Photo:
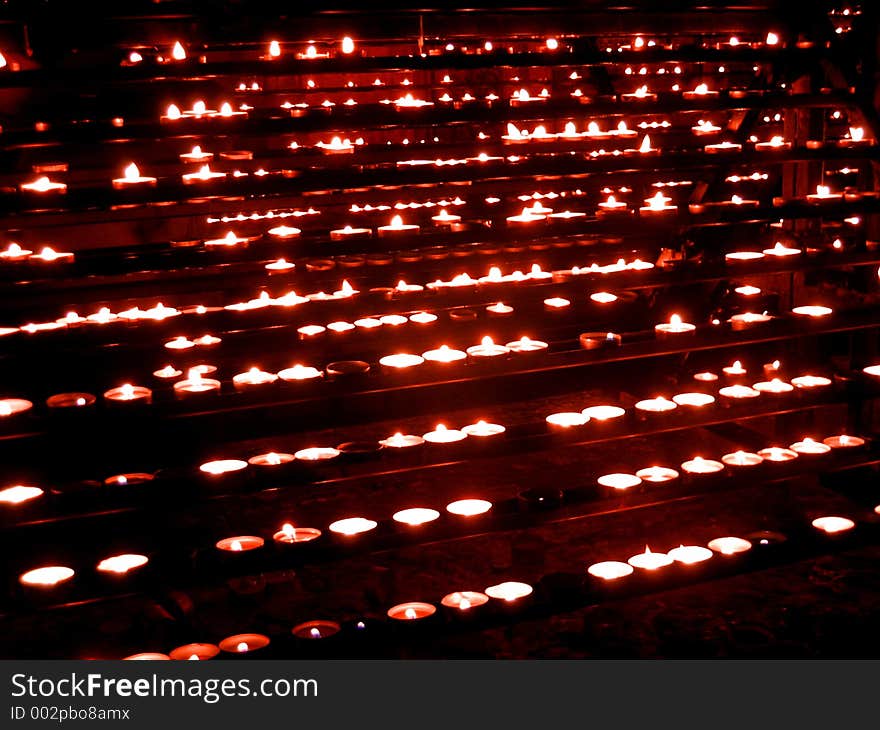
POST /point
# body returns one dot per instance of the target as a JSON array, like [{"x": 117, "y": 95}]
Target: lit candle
[
  {"x": 49, "y": 255},
  {"x": 128, "y": 393},
  {"x": 603, "y": 413},
  {"x": 525, "y": 345},
  {"x": 402, "y": 441},
  {"x": 415, "y": 516},
  {"x": 483, "y": 429},
  {"x": 445, "y": 219},
  {"x": 219, "y": 467},
  {"x": 658, "y": 205},
  {"x": 509, "y": 591},
  {"x": 239, "y": 544},
  {"x": 131, "y": 178},
  {"x": 730, "y": 545},
  {"x": 721, "y": 147},
  {"x": 290, "y": 535},
  {"x": 443, "y": 435},
  {"x": 674, "y": 328},
  {"x": 650, "y": 560},
  {"x": 204, "y": 174},
  {"x": 774, "y": 387},
  {"x": 657, "y": 474},
  {"x": 774, "y": 143},
  {"x": 699, "y": 465},
  {"x": 609, "y": 570},
  {"x": 336, "y": 146},
  {"x": 401, "y": 361},
  {"x": 14, "y": 252},
  {"x": 844, "y": 442},
  {"x": 351, "y": 526},
  {"x": 812, "y": 311},
  {"x": 736, "y": 257},
  {"x": 397, "y": 228},
  {"x": 411, "y": 611},
  {"x": 70, "y": 400},
  {"x": 346, "y": 233},
  {"x": 690, "y": 554},
  {"x": 122, "y": 564},
  {"x": 14, "y": 406},
  {"x": 705, "y": 127},
  {"x": 619, "y": 481},
  {"x": 832, "y": 524},
  {"x": 809, "y": 447},
  {"x": 856, "y": 137},
  {"x": 244, "y": 643},
  {"x": 823, "y": 194},
  {"x": 464, "y": 600},
  {"x": 693, "y": 400},
  {"x": 777, "y": 454},
  {"x": 656, "y": 405},
  {"x": 525, "y": 218},
  {"x": 738, "y": 392},
  {"x": 284, "y": 232},
  {"x": 195, "y": 384},
  {"x": 810, "y": 381},
  {"x": 300, "y": 373},
  {"x": 612, "y": 206},
  {"x": 319, "y": 629},
  {"x": 19, "y": 494},
  {"x": 147, "y": 656},
  {"x": 469, "y": 507},
  {"x": 43, "y": 185},
  {"x": 640, "y": 94},
  {"x": 271, "y": 458},
  {"x": 46, "y": 577},
  {"x": 317, "y": 453},
  {"x": 739, "y": 322},
  {"x": 252, "y": 378},
  {"x": 597, "y": 340},
  {"x": 195, "y": 652},
  {"x": 565, "y": 420},
  {"x": 742, "y": 458},
  {"x": 486, "y": 349}
]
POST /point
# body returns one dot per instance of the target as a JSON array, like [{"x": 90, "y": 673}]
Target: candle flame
[
  {"x": 132, "y": 172},
  {"x": 178, "y": 53},
  {"x": 410, "y": 613},
  {"x": 274, "y": 49},
  {"x": 347, "y": 45},
  {"x": 646, "y": 144},
  {"x": 242, "y": 646},
  {"x": 856, "y": 134},
  {"x": 236, "y": 546},
  {"x": 288, "y": 530},
  {"x": 173, "y": 111},
  {"x": 487, "y": 341}
]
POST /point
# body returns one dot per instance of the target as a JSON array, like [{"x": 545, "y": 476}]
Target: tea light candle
[
  {"x": 318, "y": 629},
  {"x": 603, "y": 413},
  {"x": 317, "y": 453},
  {"x": 397, "y": 228},
  {"x": 349, "y": 233},
  {"x": 690, "y": 554},
  {"x": 742, "y": 256},
  {"x": 656, "y": 405},
  {"x": 70, "y": 400},
  {"x": 693, "y": 400},
  {"x": 464, "y": 600},
  {"x": 122, "y": 564},
  {"x": 566, "y": 419},
  {"x": 701, "y": 91},
  {"x": 611, "y": 206},
  {"x": 525, "y": 345},
  {"x": 402, "y": 441},
  {"x": 195, "y": 384},
  {"x": 284, "y": 232},
  {"x": 742, "y": 458},
  {"x": 526, "y": 217},
  {"x": 195, "y": 652},
  {"x": 812, "y": 310},
  {"x": 219, "y": 467},
  {"x": 609, "y": 570},
  {"x": 832, "y": 524},
  {"x": 780, "y": 250},
  {"x": 699, "y": 465},
  {"x": 649, "y": 560},
  {"x": 855, "y": 138},
  {"x": 290, "y": 535},
  {"x": 843, "y": 442},
  {"x": 597, "y": 340},
  {"x": 196, "y": 155},
  {"x": 147, "y": 656},
  {"x": 730, "y": 545},
  {"x": 738, "y": 392},
  {"x": 657, "y": 474},
  {"x": 777, "y": 454},
  {"x": 43, "y": 185},
  {"x": 336, "y": 146},
  {"x": 271, "y": 458},
  {"x": 411, "y": 611},
  {"x": 132, "y": 178},
  {"x": 810, "y": 381},
  {"x": 128, "y": 479},
  {"x": 619, "y": 481},
  {"x": 46, "y": 577},
  {"x": 486, "y": 349},
  {"x": 244, "y": 643},
  {"x": 252, "y": 378},
  {"x": 823, "y": 194},
  {"x": 640, "y": 94},
  {"x": 509, "y": 591},
  {"x": 469, "y": 507},
  {"x": 443, "y": 435},
  {"x": 239, "y": 544},
  {"x": 674, "y": 328},
  {"x": 351, "y": 526},
  {"x": 279, "y": 265},
  {"x": 299, "y": 373},
  {"x": 401, "y": 361},
  {"x": 739, "y": 322},
  {"x": 482, "y": 429},
  {"x": 774, "y": 143},
  {"x": 128, "y": 393},
  {"x": 14, "y": 252},
  {"x": 19, "y": 494},
  {"x": 722, "y": 147},
  {"x": 809, "y": 447},
  {"x": 705, "y": 127},
  {"x": 205, "y": 174},
  {"x": 774, "y": 386},
  {"x": 658, "y": 205},
  {"x": 443, "y": 218},
  {"x": 415, "y": 516}
]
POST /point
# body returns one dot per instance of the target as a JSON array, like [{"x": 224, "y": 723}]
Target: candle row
[{"x": 514, "y": 597}]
